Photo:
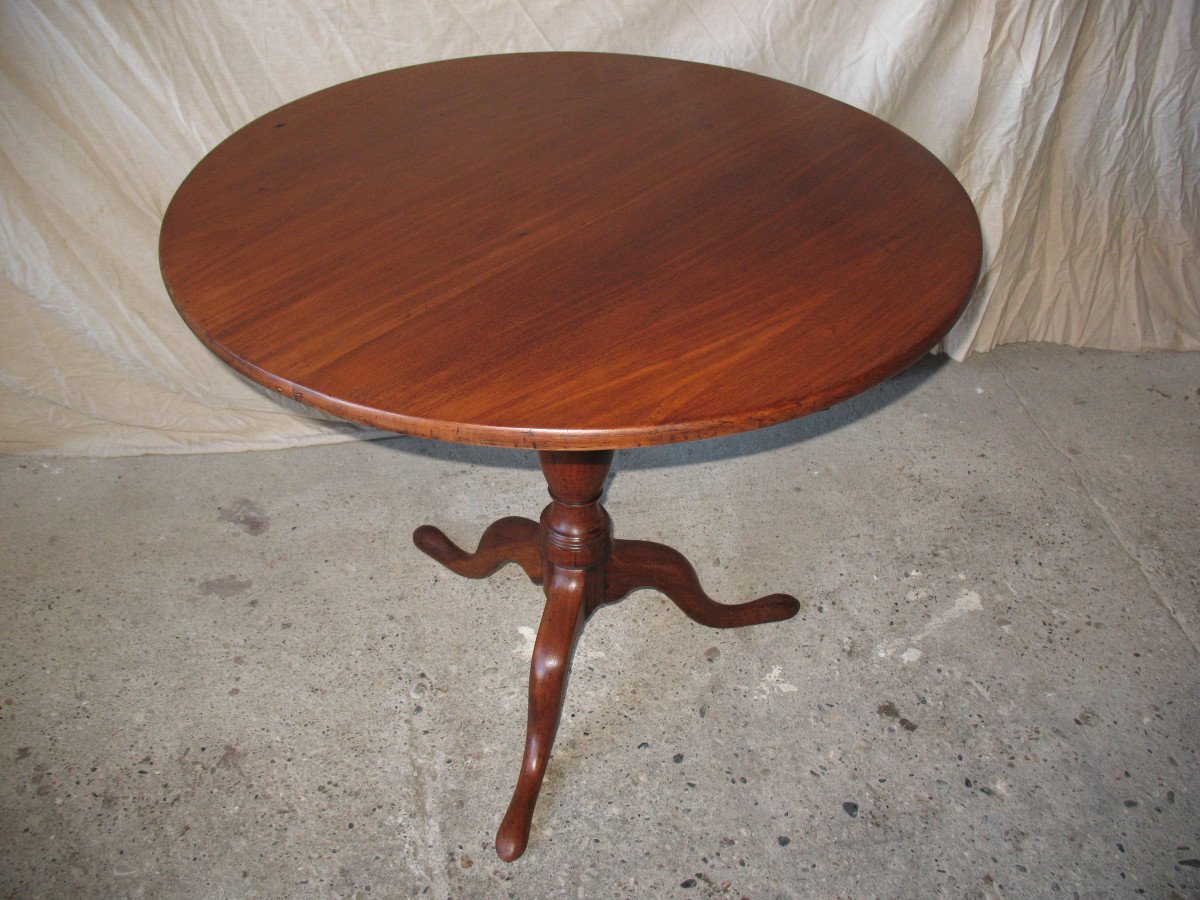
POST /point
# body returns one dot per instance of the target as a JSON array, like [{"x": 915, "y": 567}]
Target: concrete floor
[{"x": 234, "y": 676}]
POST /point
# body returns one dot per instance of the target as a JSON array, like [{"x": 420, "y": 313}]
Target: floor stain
[
  {"x": 888, "y": 710},
  {"x": 232, "y": 758},
  {"x": 247, "y": 515},
  {"x": 225, "y": 587}
]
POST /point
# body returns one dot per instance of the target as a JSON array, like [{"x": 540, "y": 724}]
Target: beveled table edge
[
  {"x": 529, "y": 438},
  {"x": 579, "y": 439}
]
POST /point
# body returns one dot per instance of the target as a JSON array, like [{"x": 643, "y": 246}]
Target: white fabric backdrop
[{"x": 1073, "y": 125}]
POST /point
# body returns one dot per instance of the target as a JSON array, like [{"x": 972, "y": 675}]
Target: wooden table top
[{"x": 569, "y": 250}]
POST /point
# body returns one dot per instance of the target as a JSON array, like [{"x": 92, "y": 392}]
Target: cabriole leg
[{"x": 575, "y": 550}]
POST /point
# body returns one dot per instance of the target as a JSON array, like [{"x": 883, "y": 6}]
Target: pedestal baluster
[{"x": 581, "y": 568}]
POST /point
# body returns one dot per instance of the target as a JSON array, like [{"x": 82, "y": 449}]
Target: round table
[{"x": 571, "y": 253}]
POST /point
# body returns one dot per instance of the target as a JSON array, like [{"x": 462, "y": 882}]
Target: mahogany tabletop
[{"x": 569, "y": 251}]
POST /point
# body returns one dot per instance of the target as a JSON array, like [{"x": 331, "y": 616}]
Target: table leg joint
[{"x": 572, "y": 553}]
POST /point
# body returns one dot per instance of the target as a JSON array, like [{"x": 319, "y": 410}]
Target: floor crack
[
  {"x": 423, "y": 802},
  {"x": 1106, "y": 516}
]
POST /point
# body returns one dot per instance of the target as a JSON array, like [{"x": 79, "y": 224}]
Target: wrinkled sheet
[{"x": 1073, "y": 126}]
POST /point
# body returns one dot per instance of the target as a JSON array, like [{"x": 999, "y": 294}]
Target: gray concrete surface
[{"x": 233, "y": 675}]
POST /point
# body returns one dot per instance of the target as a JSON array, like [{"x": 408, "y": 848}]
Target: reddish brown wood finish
[
  {"x": 581, "y": 568},
  {"x": 569, "y": 250},
  {"x": 644, "y": 564},
  {"x": 511, "y": 539},
  {"x": 573, "y": 253}
]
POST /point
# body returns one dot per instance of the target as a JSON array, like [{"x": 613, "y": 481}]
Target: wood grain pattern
[{"x": 569, "y": 250}]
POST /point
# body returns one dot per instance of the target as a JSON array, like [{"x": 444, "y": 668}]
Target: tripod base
[{"x": 572, "y": 554}]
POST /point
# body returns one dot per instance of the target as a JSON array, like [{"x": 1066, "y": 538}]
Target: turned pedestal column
[{"x": 573, "y": 555}]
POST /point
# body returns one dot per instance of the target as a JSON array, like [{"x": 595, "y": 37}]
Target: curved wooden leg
[
  {"x": 561, "y": 624},
  {"x": 511, "y": 539},
  {"x": 572, "y": 552},
  {"x": 645, "y": 564},
  {"x": 576, "y": 537}
]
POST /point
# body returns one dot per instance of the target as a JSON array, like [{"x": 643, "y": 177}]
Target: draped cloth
[{"x": 1073, "y": 126}]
